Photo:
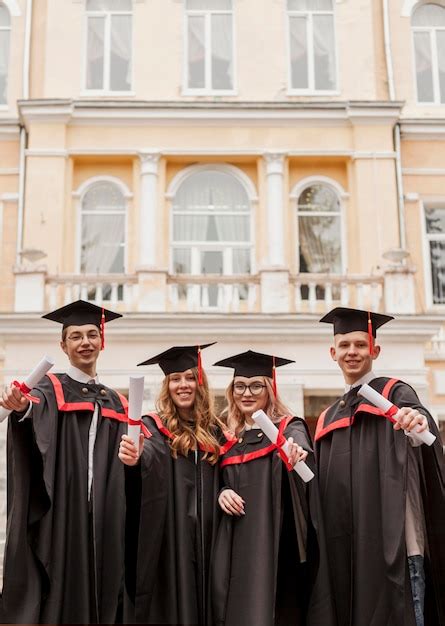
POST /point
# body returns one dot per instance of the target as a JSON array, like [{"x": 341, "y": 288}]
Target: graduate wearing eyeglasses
[
  {"x": 268, "y": 566},
  {"x": 65, "y": 534}
]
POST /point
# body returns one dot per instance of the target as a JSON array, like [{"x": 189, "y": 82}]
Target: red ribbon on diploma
[
  {"x": 391, "y": 412},
  {"x": 281, "y": 440},
  {"x": 134, "y": 422},
  {"x": 25, "y": 390}
]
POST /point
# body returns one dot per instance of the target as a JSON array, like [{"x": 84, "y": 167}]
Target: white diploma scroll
[
  {"x": 32, "y": 380},
  {"x": 385, "y": 405},
  {"x": 271, "y": 432},
  {"x": 135, "y": 397}
]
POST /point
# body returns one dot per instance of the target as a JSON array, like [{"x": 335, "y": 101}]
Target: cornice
[{"x": 418, "y": 129}]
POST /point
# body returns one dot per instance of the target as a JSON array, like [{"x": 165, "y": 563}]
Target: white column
[
  {"x": 275, "y": 201},
  {"x": 148, "y": 209}
]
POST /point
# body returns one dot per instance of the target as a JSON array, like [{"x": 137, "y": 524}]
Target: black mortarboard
[
  {"x": 251, "y": 363},
  {"x": 80, "y": 313},
  {"x": 179, "y": 359},
  {"x": 349, "y": 320}
]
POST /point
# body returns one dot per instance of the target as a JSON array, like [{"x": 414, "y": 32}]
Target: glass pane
[
  {"x": 4, "y": 65},
  {"x": 102, "y": 239},
  {"x": 109, "y": 5},
  {"x": 120, "y": 53},
  {"x": 204, "y": 228},
  {"x": 209, "y": 5},
  {"x": 103, "y": 197},
  {"x": 241, "y": 261},
  {"x": 222, "y": 63},
  {"x": 196, "y": 52},
  {"x": 437, "y": 255},
  {"x": 5, "y": 19},
  {"x": 298, "y": 53},
  {"x": 95, "y": 53},
  {"x": 424, "y": 72},
  {"x": 211, "y": 191},
  {"x": 320, "y": 244},
  {"x": 211, "y": 262},
  {"x": 318, "y": 198},
  {"x": 429, "y": 15},
  {"x": 440, "y": 35},
  {"x": 324, "y": 52},
  {"x": 182, "y": 261},
  {"x": 309, "y": 5},
  {"x": 435, "y": 220}
]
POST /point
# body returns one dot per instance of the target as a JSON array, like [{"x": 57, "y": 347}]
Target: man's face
[
  {"x": 82, "y": 346},
  {"x": 351, "y": 351}
]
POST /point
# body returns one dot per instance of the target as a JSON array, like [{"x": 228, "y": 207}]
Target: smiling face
[
  {"x": 182, "y": 389},
  {"x": 250, "y": 394},
  {"x": 351, "y": 351},
  {"x": 82, "y": 346}
]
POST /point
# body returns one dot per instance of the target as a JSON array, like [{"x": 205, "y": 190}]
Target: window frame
[
  {"x": 311, "y": 89},
  {"x": 431, "y": 30},
  {"x": 4, "y": 106},
  {"x": 207, "y": 90},
  {"x": 107, "y": 55},
  {"x": 439, "y": 202},
  {"x": 336, "y": 188}
]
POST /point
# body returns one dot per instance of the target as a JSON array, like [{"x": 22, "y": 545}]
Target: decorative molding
[
  {"x": 412, "y": 197},
  {"x": 46, "y": 152},
  {"x": 84, "y": 187},
  {"x": 13, "y": 7},
  {"x": 423, "y": 171},
  {"x": 9, "y": 197},
  {"x": 274, "y": 162},
  {"x": 325, "y": 180},
  {"x": 149, "y": 162},
  {"x": 9, "y": 171},
  {"x": 423, "y": 130}
]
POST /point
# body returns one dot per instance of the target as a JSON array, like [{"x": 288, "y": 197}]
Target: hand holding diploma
[
  {"x": 285, "y": 448},
  {"x": 17, "y": 397},
  {"x": 135, "y": 397},
  {"x": 405, "y": 417}
]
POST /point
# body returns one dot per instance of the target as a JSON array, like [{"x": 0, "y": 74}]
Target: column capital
[
  {"x": 149, "y": 161},
  {"x": 274, "y": 162}
]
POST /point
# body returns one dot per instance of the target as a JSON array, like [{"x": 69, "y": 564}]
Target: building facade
[{"x": 225, "y": 170}]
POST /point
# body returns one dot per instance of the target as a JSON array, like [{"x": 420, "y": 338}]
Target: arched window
[
  {"x": 5, "y": 33},
  {"x": 109, "y": 40},
  {"x": 312, "y": 45},
  {"x": 103, "y": 212},
  {"x": 319, "y": 230},
  {"x": 428, "y": 24},
  {"x": 212, "y": 226},
  {"x": 209, "y": 57}
]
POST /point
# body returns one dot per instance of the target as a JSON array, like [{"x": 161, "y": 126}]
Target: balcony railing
[
  {"x": 116, "y": 290},
  {"x": 213, "y": 292}
]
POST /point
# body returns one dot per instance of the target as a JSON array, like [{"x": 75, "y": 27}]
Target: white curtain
[
  {"x": 95, "y": 53},
  {"x": 196, "y": 52},
  {"x": 429, "y": 15},
  {"x": 5, "y": 18},
  {"x": 209, "y": 5},
  {"x": 120, "y": 51},
  {"x": 309, "y": 5},
  {"x": 424, "y": 71},
  {"x": 109, "y": 5},
  {"x": 299, "y": 52},
  {"x": 4, "y": 65},
  {"x": 222, "y": 62},
  {"x": 324, "y": 52}
]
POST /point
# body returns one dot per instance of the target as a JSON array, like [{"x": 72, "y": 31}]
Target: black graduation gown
[
  {"x": 64, "y": 555},
  {"x": 269, "y": 566},
  {"x": 170, "y": 524},
  {"x": 362, "y": 466}
]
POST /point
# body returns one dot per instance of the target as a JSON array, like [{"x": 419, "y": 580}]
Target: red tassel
[
  {"x": 274, "y": 377},
  {"x": 102, "y": 328},
  {"x": 199, "y": 366},
  {"x": 371, "y": 338}
]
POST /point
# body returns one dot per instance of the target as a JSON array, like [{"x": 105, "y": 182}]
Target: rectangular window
[
  {"x": 312, "y": 45},
  {"x": 109, "y": 41},
  {"x": 209, "y": 49},
  {"x": 435, "y": 233},
  {"x": 5, "y": 30},
  {"x": 424, "y": 67}
]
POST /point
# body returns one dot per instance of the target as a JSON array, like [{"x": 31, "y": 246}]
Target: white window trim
[
  {"x": 107, "y": 48},
  {"x": 198, "y": 247},
  {"x": 13, "y": 7},
  {"x": 79, "y": 195},
  {"x": 428, "y": 278},
  {"x": 207, "y": 91},
  {"x": 431, "y": 30},
  {"x": 310, "y": 90},
  {"x": 341, "y": 194}
]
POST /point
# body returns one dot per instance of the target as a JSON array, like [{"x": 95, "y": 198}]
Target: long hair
[
  {"x": 201, "y": 429},
  {"x": 275, "y": 408}
]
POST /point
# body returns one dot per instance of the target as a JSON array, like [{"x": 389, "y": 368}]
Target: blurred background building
[{"x": 225, "y": 170}]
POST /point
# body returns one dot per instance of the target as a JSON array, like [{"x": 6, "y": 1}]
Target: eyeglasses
[
  {"x": 78, "y": 337},
  {"x": 255, "y": 388}
]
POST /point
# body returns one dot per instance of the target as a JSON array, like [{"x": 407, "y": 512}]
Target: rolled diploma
[
  {"x": 271, "y": 432},
  {"x": 385, "y": 405},
  {"x": 32, "y": 380},
  {"x": 135, "y": 397}
]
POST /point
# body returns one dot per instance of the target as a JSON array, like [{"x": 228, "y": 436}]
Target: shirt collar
[
  {"x": 77, "y": 374},
  {"x": 364, "y": 380}
]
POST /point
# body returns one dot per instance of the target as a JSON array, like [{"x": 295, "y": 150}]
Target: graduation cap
[
  {"x": 347, "y": 320},
  {"x": 80, "y": 313},
  {"x": 179, "y": 359},
  {"x": 252, "y": 363}
]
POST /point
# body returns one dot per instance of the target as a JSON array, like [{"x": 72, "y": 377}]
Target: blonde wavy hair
[
  {"x": 235, "y": 420},
  {"x": 203, "y": 427}
]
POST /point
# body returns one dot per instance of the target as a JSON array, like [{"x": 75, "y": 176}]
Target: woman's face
[
  {"x": 182, "y": 388},
  {"x": 250, "y": 394}
]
